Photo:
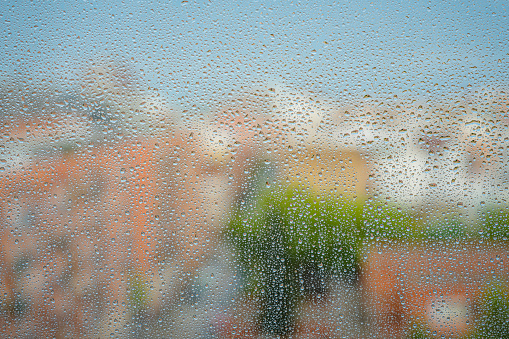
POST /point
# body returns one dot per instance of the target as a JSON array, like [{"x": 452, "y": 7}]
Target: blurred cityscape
[{"x": 114, "y": 202}]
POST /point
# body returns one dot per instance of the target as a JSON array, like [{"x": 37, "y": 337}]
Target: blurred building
[
  {"x": 442, "y": 156},
  {"x": 434, "y": 286}
]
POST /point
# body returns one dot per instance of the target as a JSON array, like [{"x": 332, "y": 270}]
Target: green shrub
[
  {"x": 492, "y": 312},
  {"x": 290, "y": 242},
  {"x": 137, "y": 294},
  {"x": 495, "y": 224},
  {"x": 419, "y": 331}
]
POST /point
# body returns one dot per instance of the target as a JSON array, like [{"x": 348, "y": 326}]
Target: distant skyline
[{"x": 190, "y": 49}]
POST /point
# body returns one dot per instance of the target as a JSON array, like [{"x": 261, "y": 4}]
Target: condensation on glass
[{"x": 207, "y": 169}]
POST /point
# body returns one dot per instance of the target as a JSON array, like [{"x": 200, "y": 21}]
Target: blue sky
[{"x": 189, "y": 50}]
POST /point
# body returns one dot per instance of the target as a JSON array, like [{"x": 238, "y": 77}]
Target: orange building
[
  {"x": 435, "y": 285},
  {"x": 80, "y": 224},
  {"x": 85, "y": 229}
]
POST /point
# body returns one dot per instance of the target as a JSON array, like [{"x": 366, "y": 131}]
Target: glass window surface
[{"x": 254, "y": 169}]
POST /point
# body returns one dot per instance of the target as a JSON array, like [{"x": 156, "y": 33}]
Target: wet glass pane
[{"x": 213, "y": 169}]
